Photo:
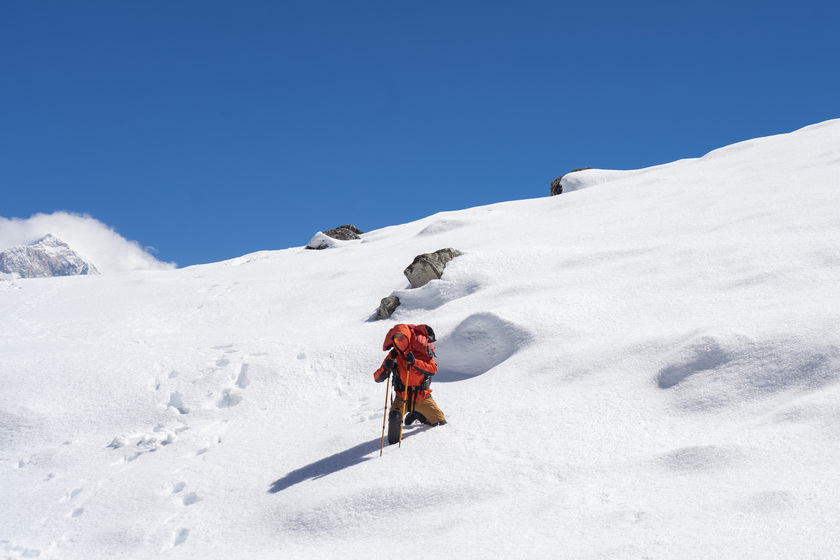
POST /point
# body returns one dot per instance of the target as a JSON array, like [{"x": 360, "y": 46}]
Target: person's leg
[
  {"x": 395, "y": 420},
  {"x": 430, "y": 411}
]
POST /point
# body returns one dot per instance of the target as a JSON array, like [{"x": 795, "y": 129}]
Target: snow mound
[
  {"x": 434, "y": 295},
  {"x": 323, "y": 241},
  {"x": 588, "y": 178},
  {"x": 722, "y": 369},
  {"x": 698, "y": 458},
  {"x": 478, "y": 344},
  {"x": 442, "y": 226}
]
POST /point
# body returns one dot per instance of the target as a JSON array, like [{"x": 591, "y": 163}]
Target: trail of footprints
[
  {"x": 366, "y": 411},
  {"x": 69, "y": 497},
  {"x": 230, "y": 379}
]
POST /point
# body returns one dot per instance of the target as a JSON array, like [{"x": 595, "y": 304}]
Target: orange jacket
[{"x": 423, "y": 362}]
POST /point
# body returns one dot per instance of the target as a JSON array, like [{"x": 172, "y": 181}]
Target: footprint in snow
[
  {"x": 180, "y": 537},
  {"x": 177, "y": 402},
  {"x": 191, "y": 499},
  {"x": 242, "y": 380},
  {"x": 704, "y": 354},
  {"x": 70, "y": 495},
  {"x": 228, "y": 399}
]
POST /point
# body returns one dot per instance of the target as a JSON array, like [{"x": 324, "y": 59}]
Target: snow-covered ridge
[
  {"x": 777, "y": 149},
  {"x": 45, "y": 258},
  {"x": 649, "y": 368}
]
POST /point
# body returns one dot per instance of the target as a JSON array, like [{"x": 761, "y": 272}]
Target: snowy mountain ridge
[
  {"x": 47, "y": 257},
  {"x": 643, "y": 367}
]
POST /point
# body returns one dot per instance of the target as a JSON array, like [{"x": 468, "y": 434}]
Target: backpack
[{"x": 422, "y": 341}]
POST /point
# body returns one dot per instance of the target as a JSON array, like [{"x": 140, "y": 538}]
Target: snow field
[{"x": 644, "y": 366}]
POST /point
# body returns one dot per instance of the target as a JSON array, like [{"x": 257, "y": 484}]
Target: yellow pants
[{"x": 427, "y": 407}]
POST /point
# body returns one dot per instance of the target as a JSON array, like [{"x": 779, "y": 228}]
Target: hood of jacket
[{"x": 396, "y": 329}]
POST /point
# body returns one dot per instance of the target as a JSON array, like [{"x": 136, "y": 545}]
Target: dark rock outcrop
[
  {"x": 387, "y": 307},
  {"x": 556, "y": 184},
  {"x": 344, "y": 233},
  {"x": 429, "y": 266},
  {"x": 424, "y": 269}
]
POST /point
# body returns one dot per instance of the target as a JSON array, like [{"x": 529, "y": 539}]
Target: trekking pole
[
  {"x": 385, "y": 415},
  {"x": 407, "y": 396}
]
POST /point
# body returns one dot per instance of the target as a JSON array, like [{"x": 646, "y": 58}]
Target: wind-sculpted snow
[
  {"x": 700, "y": 458},
  {"x": 434, "y": 295},
  {"x": 729, "y": 369},
  {"x": 703, "y": 354},
  {"x": 442, "y": 226},
  {"x": 588, "y": 178},
  {"x": 477, "y": 345}
]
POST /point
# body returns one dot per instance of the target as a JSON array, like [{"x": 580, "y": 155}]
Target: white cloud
[{"x": 93, "y": 240}]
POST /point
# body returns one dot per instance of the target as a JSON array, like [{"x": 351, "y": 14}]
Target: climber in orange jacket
[{"x": 412, "y": 359}]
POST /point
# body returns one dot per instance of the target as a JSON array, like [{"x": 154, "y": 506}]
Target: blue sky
[{"x": 209, "y": 130}]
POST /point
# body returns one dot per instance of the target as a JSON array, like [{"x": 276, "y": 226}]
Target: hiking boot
[
  {"x": 394, "y": 425},
  {"x": 415, "y": 416}
]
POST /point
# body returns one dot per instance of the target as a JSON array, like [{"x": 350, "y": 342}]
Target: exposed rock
[
  {"x": 387, "y": 307},
  {"x": 425, "y": 268},
  {"x": 429, "y": 266},
  {"x": 557, "y": 186},
  {"x": 344, "y": 233},
  {"x": 48, "y": 257},
  {"x": 324, "y": 240}
]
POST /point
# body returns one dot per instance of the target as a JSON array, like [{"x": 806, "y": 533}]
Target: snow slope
[{"x": 646, "y": 366}]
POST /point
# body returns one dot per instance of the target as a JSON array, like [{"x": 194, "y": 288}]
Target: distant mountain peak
[
  {"x": 49, "y": 256},
  {"x": 50, "y": 240}
]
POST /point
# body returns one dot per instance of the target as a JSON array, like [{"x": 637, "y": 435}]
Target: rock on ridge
[
  {"x": 324, "y": 240},
  {"x": 48, "y": 257},
  {"x": 557, "y": 184}
]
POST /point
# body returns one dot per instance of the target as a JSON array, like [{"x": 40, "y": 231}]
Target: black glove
[
  {"x": 427, "y": 382},
  {"x": 389, "y": 365},
  {"x": 409, "y": 359}
]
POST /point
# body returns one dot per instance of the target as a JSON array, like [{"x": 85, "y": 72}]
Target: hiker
[{"x": 412, "y": 359}]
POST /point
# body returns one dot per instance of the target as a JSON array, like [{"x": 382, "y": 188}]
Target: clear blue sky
[{"x": 213, "y": 129}]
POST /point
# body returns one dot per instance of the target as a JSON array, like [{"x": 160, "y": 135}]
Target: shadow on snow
[{"x": 335, "y": 463}]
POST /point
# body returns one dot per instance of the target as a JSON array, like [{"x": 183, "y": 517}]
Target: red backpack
[{"x": 422, "y": 341}]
